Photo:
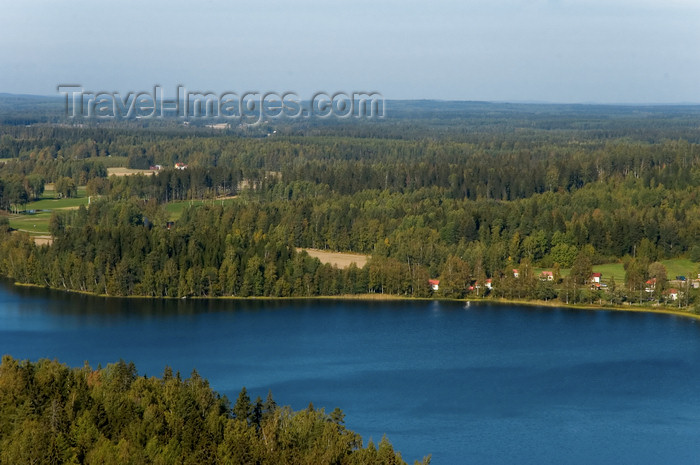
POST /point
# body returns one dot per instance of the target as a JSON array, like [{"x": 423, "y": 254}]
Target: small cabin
[
  {"x": 547, "y": 276},
  {"x": 434, "y": 284}
]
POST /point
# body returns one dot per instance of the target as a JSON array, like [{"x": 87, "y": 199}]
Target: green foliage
[
  {"x": 695, "y": 253},
  {"x": 51, "y": 414},
  {"x": 455, "y": 206},
  {"x": 66, "y": 187},
  {"x": 582, "y": 267}
]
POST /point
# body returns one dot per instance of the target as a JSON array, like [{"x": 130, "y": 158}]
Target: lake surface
[{"x": 485, "y": 384}]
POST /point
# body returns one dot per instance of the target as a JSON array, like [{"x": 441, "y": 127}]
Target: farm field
[
  {"x": 120, "y": 171},
  {"x": 339, "y": 259}
]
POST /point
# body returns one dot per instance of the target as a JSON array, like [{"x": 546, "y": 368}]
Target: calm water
[{"x": 480, "y": 385}]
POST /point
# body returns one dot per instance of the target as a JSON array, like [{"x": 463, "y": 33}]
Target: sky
[{"x": 559, "y": 51}]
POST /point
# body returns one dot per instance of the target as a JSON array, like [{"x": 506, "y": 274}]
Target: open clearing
[
  {"x": 674, "y": 267},
  {"x": 33, "y": 224},
  {"x": 128, "y": 172},
  {"x": 57, "y": 204},
  {"x": 37, "y": 224},
  {"x": 339, "y": 259},
  {"x": 43, "y": 240}
]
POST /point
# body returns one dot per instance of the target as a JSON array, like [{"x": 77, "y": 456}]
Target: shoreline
[
  {"x": 392, "y": 297},
  {"x": 589, "y": 307}
]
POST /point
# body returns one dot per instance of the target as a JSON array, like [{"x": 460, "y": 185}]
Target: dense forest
[
  {"x": 52, "y": 414},
  {"x": 462, "y": 193}
]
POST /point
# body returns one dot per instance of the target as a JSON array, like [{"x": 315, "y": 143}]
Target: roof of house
[
  {"x": 434, "y": 281},
  {"x": 547, "y": 273},
  {"x": 596, "y": 275}
]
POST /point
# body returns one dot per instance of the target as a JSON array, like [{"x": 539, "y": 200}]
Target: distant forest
[{"x": 460, "y": 192}]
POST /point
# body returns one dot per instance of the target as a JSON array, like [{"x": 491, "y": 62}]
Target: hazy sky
[{"x": 635, "y": 51}]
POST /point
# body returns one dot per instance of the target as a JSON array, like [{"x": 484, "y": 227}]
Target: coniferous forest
[
  {"x": 463, "y": 193},
  {"x": 52, "y": 414}
]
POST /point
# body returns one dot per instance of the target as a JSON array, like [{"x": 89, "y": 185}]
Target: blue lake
[{"x": 486, "y": 384}]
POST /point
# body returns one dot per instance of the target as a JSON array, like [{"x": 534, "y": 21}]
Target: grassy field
[
  {"x": 681, "y": 267},
  {"x": 57, "y": 204},
  {"x": 34, "y": 224},
  {"x": 674, "y": 267},
  {"x": 610, "y": 270},
  {"x": 38, "y": 223},
  {"x": 50, "y": 192},
  {"x": 175, "y": 209}
]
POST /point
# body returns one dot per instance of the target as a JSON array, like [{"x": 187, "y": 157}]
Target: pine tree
[{"x": 243, "y": 409}]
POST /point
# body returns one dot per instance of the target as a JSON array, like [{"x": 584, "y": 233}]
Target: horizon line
[{"x": 457, "y": 100}]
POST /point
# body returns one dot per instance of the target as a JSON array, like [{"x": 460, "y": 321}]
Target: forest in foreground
[
  {"x": 52, "y": 414},
  {"x": 460, "y": 193}
]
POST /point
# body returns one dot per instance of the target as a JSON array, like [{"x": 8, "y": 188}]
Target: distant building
[
  {"x": 595, "y": 280},
  {"x": 673, "y": 294},
  {"x": 180, "y": 166},
  {"x": 434, "y": 284},
  {"x": 219, "y": 126},
  {"x": 651, "y": 285},
  {"x": 547, "y": 276},
  {"x": 516, "y": 273},
  {"x": 488, "y": 284}
]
